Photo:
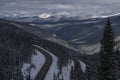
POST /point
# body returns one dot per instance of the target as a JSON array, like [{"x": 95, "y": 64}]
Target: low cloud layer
[{"x": 40, "y": 6}]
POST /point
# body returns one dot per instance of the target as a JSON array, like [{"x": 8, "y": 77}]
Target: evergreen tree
[
  {"x": 118, "y": 62},
  {"x": 88, "y": 73},
  {"x": 72, "y": 73},
  {"x": 118, "y": 57},
  {"x": 54, "y": 76},
  {"x": 108, "y": 63},
  {"x": 76, "y": 72}
]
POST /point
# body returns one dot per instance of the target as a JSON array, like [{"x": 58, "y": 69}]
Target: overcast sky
[{"x": 94, "y": 7}]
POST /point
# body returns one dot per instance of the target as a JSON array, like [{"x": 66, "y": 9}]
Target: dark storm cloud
[
  {"x": 31, "y": 4},
  {"x": 42, "y": 3}
]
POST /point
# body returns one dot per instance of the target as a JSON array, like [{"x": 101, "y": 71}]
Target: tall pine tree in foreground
[{"x": 108, "y": 63}]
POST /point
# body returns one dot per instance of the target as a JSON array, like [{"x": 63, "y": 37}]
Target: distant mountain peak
[{"x": 44, "y": 15}]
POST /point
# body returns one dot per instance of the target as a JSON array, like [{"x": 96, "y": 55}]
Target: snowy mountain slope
[
  {"x": 44, "y": 15},
  {"x": 54, "y": 70}
]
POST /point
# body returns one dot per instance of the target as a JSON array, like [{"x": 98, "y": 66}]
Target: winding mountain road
[{"x": 42, "y": 73}]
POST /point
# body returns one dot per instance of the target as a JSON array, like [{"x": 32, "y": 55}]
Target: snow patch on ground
[
  {"x": 83, "y": 66},
  {"x": 24, "y": 69},
  {"x": 53, "y": 68},
  {"x": 66, "y": 70},
  {"x": 38, "y": 61},
  {"x": 54, "y": 35},
  {"x": 92, "y": 49}
]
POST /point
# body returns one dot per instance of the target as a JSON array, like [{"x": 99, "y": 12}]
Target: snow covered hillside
[
  {"x": 53, "y": 71},
  {"x": 36, "y": 64},
  {"x": 38, "y": 60},
  {"x": 83, "y": 66}
]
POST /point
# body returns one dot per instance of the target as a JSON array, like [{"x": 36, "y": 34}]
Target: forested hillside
[{"x": 16, "y": 47}]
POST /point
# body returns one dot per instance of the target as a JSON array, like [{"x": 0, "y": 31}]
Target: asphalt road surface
[{"x": 43, "y": 71}]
